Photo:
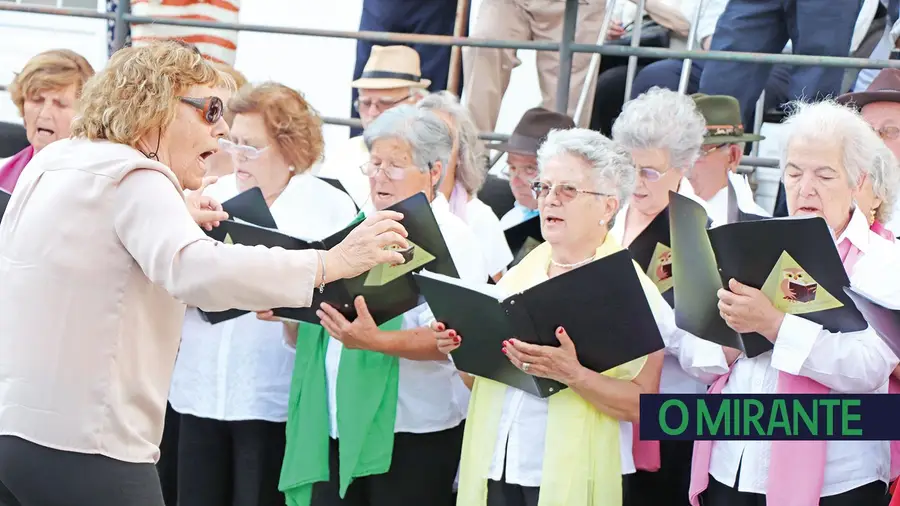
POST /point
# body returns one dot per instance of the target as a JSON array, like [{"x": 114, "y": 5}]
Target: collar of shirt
[{"x": 857, "y": 231}]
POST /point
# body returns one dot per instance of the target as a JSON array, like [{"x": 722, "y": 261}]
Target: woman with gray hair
[
  {"x": 877, "y": 196},
  {"x": 383, "y": 407},
  {"x": 464, "y": 177},
  {"x": 663, "y": 131},
  {"x": 573, "y": 447},
  {"x": 825, "y": 158}
]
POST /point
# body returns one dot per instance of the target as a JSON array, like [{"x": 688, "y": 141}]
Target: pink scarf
[
  {"x": 879, "y": 229},
  {"x": 796, "y": 468},
  {"x": 459, "y": 198},
  {"x": 13, "y": 168}
]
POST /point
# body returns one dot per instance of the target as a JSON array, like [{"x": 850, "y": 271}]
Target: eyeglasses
[
  {"x": 528, "y": 172},
  {"x": 651, "y": 174},
  {"x": 394, "y": 173},
  {"x": 888, "y": 133},
  {"x": 565, "y": 192},
  {"x": 245, "y": 151},
  {"x": 379, "y": 103},
  {"x": 211, "y": 107},
  {"x": 711, "y": 148}
]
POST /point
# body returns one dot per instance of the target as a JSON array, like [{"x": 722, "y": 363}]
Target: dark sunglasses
[{"x": 211, "y": 107}]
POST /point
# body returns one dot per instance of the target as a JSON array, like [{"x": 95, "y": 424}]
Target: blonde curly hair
[
  {"x": 136, "y": 93},
  {"x": 290, "y": 120},
  {"x": 50, "y": 70}
]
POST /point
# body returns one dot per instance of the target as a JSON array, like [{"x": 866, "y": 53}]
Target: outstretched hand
[
  {"x": 206, "y": 211},
  {"x": 365, "y": 246}
]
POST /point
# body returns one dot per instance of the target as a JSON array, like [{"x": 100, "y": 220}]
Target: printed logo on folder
[
  {"x": 660, "y": 268},
  {"x": 415, "y": 257},
  {"x": 228, "y": 239},
  {"x": 793, "y": 291}
]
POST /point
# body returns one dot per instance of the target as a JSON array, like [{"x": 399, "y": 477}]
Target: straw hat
[
  {"x": 723, "y": 119},
  {"x": 391, "y": 67}
]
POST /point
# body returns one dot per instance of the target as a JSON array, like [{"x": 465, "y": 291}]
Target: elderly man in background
[
  {"x": 723, "y": 148},
  {"x": 392, "y": 77},
  {"x": 45, "y": 93},
  {"x": 879, "y": 105}
]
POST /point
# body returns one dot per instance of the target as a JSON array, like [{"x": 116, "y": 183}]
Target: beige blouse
[{"x": 98, "y": 257}]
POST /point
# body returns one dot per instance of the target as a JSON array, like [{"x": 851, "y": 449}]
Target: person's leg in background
[
  {"x": 435, "y": 17},
  {"x": 258, "y": 454},
  {"x": 666, "y": 74},
  {"x": 34, "y": 475},
  {"x": 820, "y": 32},
  {"x": 168, "y": 456},
  {"x": 745, "y": 25},
  {"x": 486, "y": 71},
  {"x": 609, "y": 96},
  {"x": 547, "y": 24},
  {"x": 204, "y": 462},
  {"x": 376, "y": 17}
]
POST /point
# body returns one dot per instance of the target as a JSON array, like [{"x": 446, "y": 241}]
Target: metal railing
[{"x": 566, "y": 48}]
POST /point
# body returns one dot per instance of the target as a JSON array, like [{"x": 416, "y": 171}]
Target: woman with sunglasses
[
  {"x": 232, "y": 379},
  {"x": 584, "y": 179},
  {"x": 663, "y": 131},
  {"x": 98, "y": 257}
]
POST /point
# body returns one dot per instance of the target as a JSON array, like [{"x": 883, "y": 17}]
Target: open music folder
[
  {"x": 882, "y": 316},
  {"x": 4, "y": 201},
  {"x": 389, "y": 290},
  {"x": 793, "y": 261},
  {"x": 601, "y": 305},
  {"x": 248, "y": 206},
  {"x": 523, "y": 238},
  {"x": 336, "y": 183}
]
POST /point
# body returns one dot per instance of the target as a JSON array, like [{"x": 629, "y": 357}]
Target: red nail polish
[
  {"x": 559, "y": 330},
  {"x": 505, "y": 344},
  {"x": 456, "y": 340},
  {"x": 504, "y": 351},
  {"x": 452, "y": 333}
]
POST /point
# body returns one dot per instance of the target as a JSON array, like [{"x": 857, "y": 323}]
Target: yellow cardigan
[{"x": 582, "y": 465}]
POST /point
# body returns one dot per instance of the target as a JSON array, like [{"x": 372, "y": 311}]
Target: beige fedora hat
[{"x": 391, "y": 67}]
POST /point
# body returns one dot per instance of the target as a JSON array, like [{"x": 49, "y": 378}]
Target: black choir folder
[
  {"x": 601, "y": 305},
  {"x": 882, "y": 316},
  {"x": 524, "y": 237},
  {"x": 4, "y": 201},
  {"x": 793, "y": 261},
  {"x": 389, "y": 290},
  {"x": 249, "y": 206}
]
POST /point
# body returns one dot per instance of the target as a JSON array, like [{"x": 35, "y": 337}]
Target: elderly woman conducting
[
  {"x": 663, "y": 131},
  {"x": 232, "y": 379},
  {"x": 45, "y": 93},
  {"x": 519, "y": 448},
  {"x": 826, "y": 152},
  {"x": 376, "y": 412},
  {"x": 93, "y": 296},
  {"x": 465, "y": 175}
]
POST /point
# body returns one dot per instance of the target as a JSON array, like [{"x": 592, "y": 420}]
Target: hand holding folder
[
  {"x": 601, "y": 305},
  {"x": 793, "y": 261}
]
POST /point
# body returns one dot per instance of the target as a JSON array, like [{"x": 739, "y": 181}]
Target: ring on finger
[{"x": 525, "y": 366}]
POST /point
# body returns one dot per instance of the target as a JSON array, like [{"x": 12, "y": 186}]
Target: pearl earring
[{"x": 602, "y": 222}]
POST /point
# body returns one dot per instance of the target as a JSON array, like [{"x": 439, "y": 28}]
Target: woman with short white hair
[
  {"x": 825, "y": 158},
  {"x": 376, "y": 414},
  {"x": 663, "y": 130},
  {"x": 464, "y": 177},
  {"x": 877, "y": 197},
  {"x": 584, "y": 178}
]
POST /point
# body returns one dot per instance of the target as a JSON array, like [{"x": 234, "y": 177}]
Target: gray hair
[
  {"x": 428, "y": 136},
  {"x": 662, "y": 119},
  {"x": 611, "y": 166},
  {"x": 864, "y": 153},
  {"x": 470, "y": 164}
]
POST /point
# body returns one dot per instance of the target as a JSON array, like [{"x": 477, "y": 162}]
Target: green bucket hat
[{"x": 723, "y": 119}]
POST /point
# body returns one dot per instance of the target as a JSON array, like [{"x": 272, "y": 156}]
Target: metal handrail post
[
  {"x": 594, "y": 66},
  {"x": 121, "y": 25},
  {"x": 687, "y": 63},
  {"x": 635, "y": 43},
  {"x": 564, "y": 78},
  {"x": 758, "y": 121}
]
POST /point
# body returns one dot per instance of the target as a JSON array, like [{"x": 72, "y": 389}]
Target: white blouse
[
  {"x": 239, "y": 369},
  {"x": 486, "y": 226},
  {"x": 432, "y": 396},
  {"x": 717, "y": 205},
  {"x": 854, "y": 362},
  {"x": 345, "y": 167}
]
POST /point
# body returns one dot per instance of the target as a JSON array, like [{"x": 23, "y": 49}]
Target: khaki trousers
[{"x": 486, "y": 71}]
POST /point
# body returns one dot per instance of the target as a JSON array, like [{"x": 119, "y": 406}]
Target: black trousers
[
  {"x": 229, "y": 463},
  {"x": 168, "y": 457},
  {"x": 670, "y": 485},
  {"x": 500, "y": 493},
  {"x": 718, "y": 494},
  {"x": 34, "y": 475},
  {"x": 423, "y": 467}
]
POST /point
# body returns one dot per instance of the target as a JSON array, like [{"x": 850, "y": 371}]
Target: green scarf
[{"x": 367, "y": 392}]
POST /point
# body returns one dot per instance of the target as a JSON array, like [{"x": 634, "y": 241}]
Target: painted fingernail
[
  {"x": 504, "y": 351},
  {"x": 456, "y": 340},
  {"x": 505, "y": 344},
  {"x": 559, "y": 330},
  {"x": 441, "y": 327},
  {"x": 452, "y": 333}
]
